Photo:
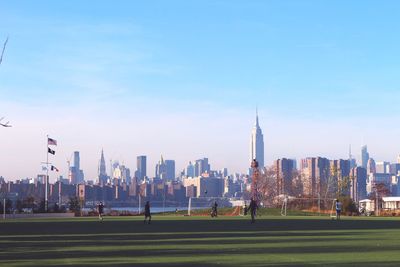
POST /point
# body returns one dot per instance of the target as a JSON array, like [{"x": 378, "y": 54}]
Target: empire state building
[{"x": 257, "y": 144}]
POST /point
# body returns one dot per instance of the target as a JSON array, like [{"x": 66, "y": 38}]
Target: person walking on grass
[
  {"x": 338, "y": 209},
  {"x": 253, "y": 210},
  {"x": 100, "y": 210},
  {"x": 147, "y": 214},
  {"x": 214, "y": 210}
]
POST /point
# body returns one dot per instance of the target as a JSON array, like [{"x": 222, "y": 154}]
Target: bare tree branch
[{"x": 2, "y": 52}]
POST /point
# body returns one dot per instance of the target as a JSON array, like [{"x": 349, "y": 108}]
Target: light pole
[
  {"x": 4, "y": 208},
  {"x": 319, "y": 204},
  {"x": 377, "y": 200},
  {"x": 46, "y": 200},
  {"x": 4, "y": 204},
  {"x": 163, "y": 197},
  {"x": 139, "y": 197}
]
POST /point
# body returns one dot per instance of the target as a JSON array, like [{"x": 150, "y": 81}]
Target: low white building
[
  {"x": 366, "y": 205},
  {"x": 391, "y": 203}
]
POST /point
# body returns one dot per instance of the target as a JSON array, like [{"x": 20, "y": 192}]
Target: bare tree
[
  {"x": 297, "y": 183},
  {"x": 267, "y": 186},
  {"x": 344, "y": 186}
]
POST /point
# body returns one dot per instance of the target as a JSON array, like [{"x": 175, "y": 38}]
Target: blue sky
[{"x": 182, "y": 78}]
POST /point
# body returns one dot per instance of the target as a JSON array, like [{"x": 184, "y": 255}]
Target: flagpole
[
  {"x": 59, "y": 192},
  {"x": 47, "y": 174}
]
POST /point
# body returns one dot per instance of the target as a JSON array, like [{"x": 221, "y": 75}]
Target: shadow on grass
[
  {"x": 193, "y": 226},
  {"x": 188, "y": 238},
  {"x": 176, "y": 249}
]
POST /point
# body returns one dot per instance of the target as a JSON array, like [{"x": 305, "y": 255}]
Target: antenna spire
[
  {"x": 257, "y": 124},
  {"x": 350, "y": 156}
]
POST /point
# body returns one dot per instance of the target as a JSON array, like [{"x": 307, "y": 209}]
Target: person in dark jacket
[
  {"x": 214, "y": 210},
  {"x": 100, "y": 210},
  {"x": 338, "y": 209},
  {"x": 253, "y": 210},
  {"x": 147, "y": 214}
]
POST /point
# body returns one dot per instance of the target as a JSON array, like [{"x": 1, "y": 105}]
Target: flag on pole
[
  {"x": 51, "y": 151},
  {"x": 53, "y": 168},
  {"x": 51, "y": 141}
]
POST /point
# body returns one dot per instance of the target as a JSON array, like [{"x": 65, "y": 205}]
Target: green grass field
[{"x": 201, "y": 241}]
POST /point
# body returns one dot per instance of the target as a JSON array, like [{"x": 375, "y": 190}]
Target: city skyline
[{"x": 145, "y": 79}]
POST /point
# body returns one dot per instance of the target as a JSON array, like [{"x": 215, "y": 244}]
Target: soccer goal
[
  {"x": 305, "y": 205},
  {"x": 203, "y": 206},
  {"x": 201, "y": 203}
]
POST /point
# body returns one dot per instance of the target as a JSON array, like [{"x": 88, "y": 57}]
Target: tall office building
[
  {"x": 358, "y": 180},
  {"x": 308, "y": 170},
  {"x": 371, "y": 166},
  {"x": 77, "y": 160},
  {"x": 201, "y": 166},
  {"x": 395, "y": 168},
  {"x": 141, "y": 172},
  {"x": 190, "y": 170},
  {"x": 102, "y": 170},
  {"x": 76, "y": 174},
  {"x": 161, "y": 169},
  {"x": 364, "y": 156},
  {"x": 383, "y": 167},
  {"x": 224, "y": 172},
  {"x": 322, "y": 176},
  {"x": 338, "y": 182},
  {"x": 316, "y": 174},
  {"x": 284, "y": 175},
  {"x": 125, "y": 175},
  {"x": 165, "y": 169},
  {"x": 353, "y": 162},
  {"x": 257, "y": 144},
  {"x": 170, "y": 169}
]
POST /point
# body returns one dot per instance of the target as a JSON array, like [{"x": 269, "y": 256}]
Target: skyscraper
[
  {"x": 257, "y": 144},
  {"x": 395, "y": 168},
  {"x": 315, "y": 176},
  {"x": 353, "y": 162},
  {"x": 284, "y": 175},
  {"x": 371, "y": 166},
  {"x": 77, "y": 160},
  {"x": 339, "y": 172},
  {"x": 190, "y": 170},
  {"x": 170, "y": 169},
  {"x": 382, "y": 167},
  {"x": 161, "y": 169},
  {"x": 102, "y": 169},
  {"x": 125, "y": 174},
  {"x": 76, "y": 174},
  {"x": 201, "y": 166},
  {"x": 308, "y": 171},
  {"x": 322, "y": 174},
  {"x": 364, "y": 156},
  {"x": 141, "y": 167},
  {"x": 358, "y": 179}
]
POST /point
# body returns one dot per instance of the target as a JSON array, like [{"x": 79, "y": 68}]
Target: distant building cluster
[
  {"x": 312, "y": 177},
  {"x": 320, "y": 177}
]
